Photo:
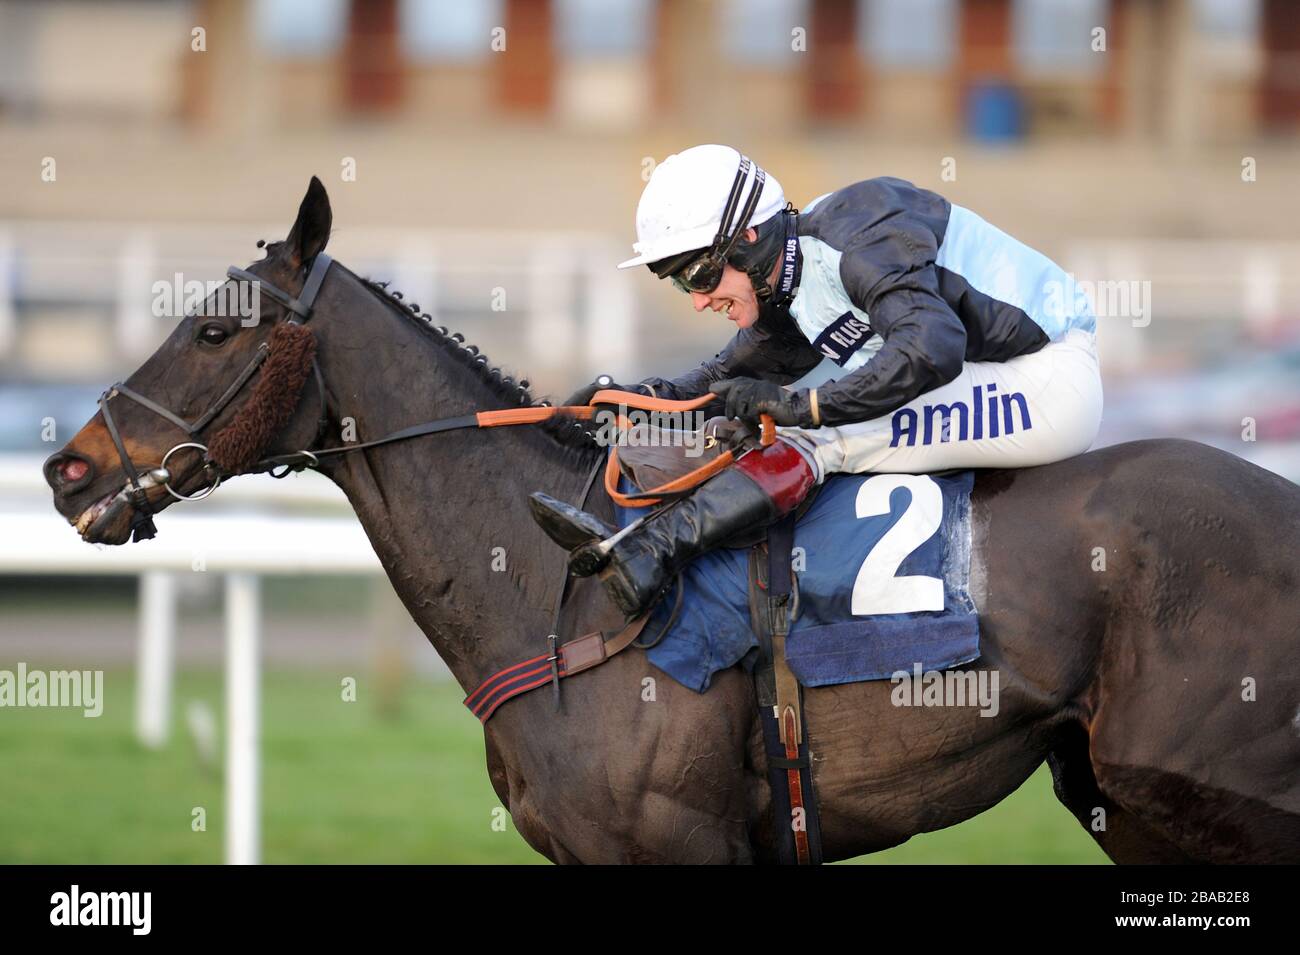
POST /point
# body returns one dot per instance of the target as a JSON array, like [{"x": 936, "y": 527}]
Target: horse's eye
[{"x": 213, "y": 334}]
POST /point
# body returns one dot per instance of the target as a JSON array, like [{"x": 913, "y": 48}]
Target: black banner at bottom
[{"x": 117, "y": 904}]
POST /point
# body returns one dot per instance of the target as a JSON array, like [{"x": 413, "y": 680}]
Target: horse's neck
[{"x": 448, "y": 514}]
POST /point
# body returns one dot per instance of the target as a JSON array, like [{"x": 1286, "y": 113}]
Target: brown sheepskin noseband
[{"x": 275, "y": 396}]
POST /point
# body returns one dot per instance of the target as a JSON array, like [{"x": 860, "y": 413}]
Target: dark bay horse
[{"x": 1162, "y": 690}]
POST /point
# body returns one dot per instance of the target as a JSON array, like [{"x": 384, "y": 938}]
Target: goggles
[{"x": 704, "y": 272}]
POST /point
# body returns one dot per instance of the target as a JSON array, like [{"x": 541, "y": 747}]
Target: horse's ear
[{"x": 311, "y": 231}]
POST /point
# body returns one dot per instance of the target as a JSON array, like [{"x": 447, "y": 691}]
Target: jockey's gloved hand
[
  {"x": 732, "y": 434},
  {"x": 747, "y": 398},
  {"x": 602, "y": 383}
]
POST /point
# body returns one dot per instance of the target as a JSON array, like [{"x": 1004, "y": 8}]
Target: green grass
[
  {"x": 341, "y": 783},
  {"x": 1029, "y": 826}
]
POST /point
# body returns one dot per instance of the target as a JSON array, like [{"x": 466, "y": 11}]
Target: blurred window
[
  {"x": 300, "y": 28},
  {"x": 455, "y": 30},
  {"x": 759, "y": 32},
  {"x": 603, "y": 28},
  {"x": 1228, "y": 19},
  {"x": 604, "y": 76},
  {"x": 908, "y": 34},
  {"x": 1056, "y": 35},
  {"x": 98, "y": 63}
]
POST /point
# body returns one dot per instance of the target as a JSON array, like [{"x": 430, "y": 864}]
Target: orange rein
[{"x": 512, "y": 416}]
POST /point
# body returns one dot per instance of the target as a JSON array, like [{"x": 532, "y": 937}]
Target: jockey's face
[{"x": 734, "y": 297}]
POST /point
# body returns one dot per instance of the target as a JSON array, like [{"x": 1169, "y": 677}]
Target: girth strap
[
  {"x": 773, "y": 606},
  {"x": 566, "y": 660}
]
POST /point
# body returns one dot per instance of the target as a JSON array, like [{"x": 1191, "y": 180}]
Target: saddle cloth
[{"x": 882, "y": 566}]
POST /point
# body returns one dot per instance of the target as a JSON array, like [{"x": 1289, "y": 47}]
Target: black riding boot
[{"x": 635, "y": 566}]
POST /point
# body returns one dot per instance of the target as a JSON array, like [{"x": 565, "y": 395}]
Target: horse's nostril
[{"x": 63, "y": 471}]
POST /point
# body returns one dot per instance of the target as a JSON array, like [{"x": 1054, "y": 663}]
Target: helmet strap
[
  {"x": 728, "y": 235},
  {"x": 758, "y": 266}
]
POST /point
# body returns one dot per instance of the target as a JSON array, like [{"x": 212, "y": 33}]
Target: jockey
[{"x": 959, "y": 347}]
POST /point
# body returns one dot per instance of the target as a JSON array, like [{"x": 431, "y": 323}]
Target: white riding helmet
[{"x": 682, "y": 205}]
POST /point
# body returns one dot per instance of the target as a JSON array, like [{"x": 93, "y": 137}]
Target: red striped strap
[
  {"x": 795, "y": 783},
  {"x": 581, "y": 653}
]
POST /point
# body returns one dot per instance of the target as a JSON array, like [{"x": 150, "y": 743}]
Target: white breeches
[{"x": 1030, "y": 410}]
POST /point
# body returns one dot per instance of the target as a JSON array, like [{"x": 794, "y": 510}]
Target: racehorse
[{"x": 1140, "y": 603}]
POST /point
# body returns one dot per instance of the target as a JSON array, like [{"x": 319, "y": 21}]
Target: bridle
[{"x": 139, "y": 482}]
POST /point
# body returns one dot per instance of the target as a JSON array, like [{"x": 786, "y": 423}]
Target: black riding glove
[
  {"x": 584, "y": 394},
  {"x": 747, "y": 398}
]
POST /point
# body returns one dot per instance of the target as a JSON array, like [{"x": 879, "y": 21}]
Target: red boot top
[{"x": 781, "y": 472}]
